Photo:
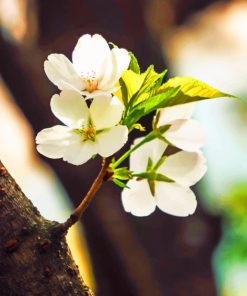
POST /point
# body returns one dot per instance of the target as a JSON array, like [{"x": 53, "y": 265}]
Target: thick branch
[{"x": 34, "y": 259}]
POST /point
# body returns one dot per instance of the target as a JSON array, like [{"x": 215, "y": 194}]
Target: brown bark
[{"x": 34, "y": 256}]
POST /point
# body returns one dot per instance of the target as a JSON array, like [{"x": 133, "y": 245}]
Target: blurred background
[{"x": 119, "y": 254}]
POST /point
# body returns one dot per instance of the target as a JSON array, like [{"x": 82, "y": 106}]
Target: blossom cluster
[
  {"x": 90, "y": 128},
  {"x": 182, "y": 169},
  {"x": 92, "y": 114}
]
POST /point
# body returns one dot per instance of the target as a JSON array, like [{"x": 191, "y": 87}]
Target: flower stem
[
  {"x": 148, "y": 138},
  {"x": 78, "y": 212}
]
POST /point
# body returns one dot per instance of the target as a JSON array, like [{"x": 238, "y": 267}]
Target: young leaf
[
  {"x": 191, "y": 90},
  {"x": 148, "y": 106},
  {"x": 130, "y": 83},
  {"x": 150, "y": 81},
  {"x": 134, "y": 66}
]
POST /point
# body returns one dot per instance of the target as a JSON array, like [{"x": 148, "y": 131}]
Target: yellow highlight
[{"x": 78, "y": 246}]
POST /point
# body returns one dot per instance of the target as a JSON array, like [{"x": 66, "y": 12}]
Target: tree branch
[
  {"x": 34, "y": 259},
  {"x": 78, "y": 212}
]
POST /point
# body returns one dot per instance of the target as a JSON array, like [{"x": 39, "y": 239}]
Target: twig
[{"x": 78, "y": 212}]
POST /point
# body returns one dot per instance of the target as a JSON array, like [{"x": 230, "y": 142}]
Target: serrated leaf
[
  {"x": 122, "y": 93},
  {"x": 151, "y": 80},
  {"x": 191, "y": 90},
  {"x": 134, "y": 66},
  {"x": 149, "y": 105},
  {"x": 136, "y": 87},
  {"x": 130, "y": 83}
]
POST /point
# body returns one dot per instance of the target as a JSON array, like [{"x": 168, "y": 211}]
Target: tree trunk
[{"x": 34, "y": 256}]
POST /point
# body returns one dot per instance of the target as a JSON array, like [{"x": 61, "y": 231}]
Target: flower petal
[
  {"x": 79, "y": 152},
  {"x": 138, "y": 200},
  {"x": 118, "y": 63},
  {"x": 106, "y": 111},
  {"x": 53, "y": 141},
  {"x": 186, "y": 134},
  {"x": 175, "y": 199},
  {"x": 90, "y": 55},
  {"x": 139, "y": 158},
  {"x": 111, "y": 140},
  {"x": 176, "y": 112},
  {"x": 186, "y": 168},
  {"x": 70, "y": 108},
  {"x": 61, "y": 72}
]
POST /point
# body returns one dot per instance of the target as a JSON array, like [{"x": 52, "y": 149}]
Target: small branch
[{"x": 78, "y": 212}]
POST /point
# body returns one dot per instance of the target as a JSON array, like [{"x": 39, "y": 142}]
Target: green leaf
[
  {"x": 130, "y": 83},
  {"x": 134, "y": 66},
  {"x": 150, "y": 81},
  {"x": 191, "y": 90},
  {"x": 136, "y": 87},
  {"x": 122, "y": 93},
  {"x": 149, "y": 105}
]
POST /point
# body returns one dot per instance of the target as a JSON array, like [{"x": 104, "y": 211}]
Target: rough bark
[{"x": 34, "y": 256}]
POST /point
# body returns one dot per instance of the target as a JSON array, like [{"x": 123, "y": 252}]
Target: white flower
[
  {"x": 94, "y": 70},
  {"x": 185, "y": 168},
  {"x": 184, "y": 133},
  {"x": 88, "y": 131}
]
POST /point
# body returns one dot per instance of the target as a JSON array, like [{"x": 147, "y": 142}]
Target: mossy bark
[{"x": 34, "y": 256}]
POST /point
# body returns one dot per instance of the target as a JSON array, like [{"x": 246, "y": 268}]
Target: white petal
[
  {"x": 119, "y": 62},
  {"x": 186, "y": 134},
  {"x": 53, "y": 141},
  {"x": 111, "y": 140},
  {"x": 186, "y": 168},
  {"x": 106, "y": 111},
  {"x": 138, "y": 200},
  {"x": 70, "y": 108},
  {"x": 79, "y": 152},
  {"x": 176, "y": 112},
  {"x": 61, "y": 72},
  {"x": 139, "y": 158},
  {"x": 90, "y": 54},
  {"x": 175, "y": 199}
]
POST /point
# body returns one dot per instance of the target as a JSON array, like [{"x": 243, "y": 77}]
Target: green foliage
[
  {"x": 143, "y": 93},
  {"x": 190, "y": 90},
  {"x": 134, "y": 66},
  {"x": 149, "y": 105}
]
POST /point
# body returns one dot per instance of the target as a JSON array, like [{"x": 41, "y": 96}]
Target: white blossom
[
  {"x": 176, "y": 198},
  {"x": 94, "y": 70},
  {"x": 88, "y": 131},
  {"x": 184, "y": 133}
]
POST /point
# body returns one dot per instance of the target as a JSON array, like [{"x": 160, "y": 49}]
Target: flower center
[
  {"x": 89, "y": 132},
  {"x": 90, "y": 80}
]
